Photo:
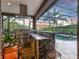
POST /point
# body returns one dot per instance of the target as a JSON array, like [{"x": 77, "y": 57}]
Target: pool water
[
  {"x": 60, "y": 37},
  {"x": 67, "y": 48}
]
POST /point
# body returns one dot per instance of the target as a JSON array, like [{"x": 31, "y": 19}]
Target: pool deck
[{"x": 68, "y": 49}]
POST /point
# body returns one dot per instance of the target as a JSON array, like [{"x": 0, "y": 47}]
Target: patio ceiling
[{"x": 13, "y": 6}]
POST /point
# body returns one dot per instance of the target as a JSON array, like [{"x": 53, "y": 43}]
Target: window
[{"x": 17, "y": 23}]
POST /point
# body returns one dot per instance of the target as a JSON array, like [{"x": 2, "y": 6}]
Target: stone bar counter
[{"x": 42, "y": 46}]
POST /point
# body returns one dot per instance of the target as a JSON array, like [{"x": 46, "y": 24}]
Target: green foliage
[
  {"x": 10, "y": 27},
  {"x": 66, "y": 29},
  {"x": 14, "y": 25},
  {"x": 8, "y": 38}
]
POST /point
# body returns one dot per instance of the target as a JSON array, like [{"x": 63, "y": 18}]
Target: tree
[
  {"x": 63, "y": 19},
  {"x": 55, "y": 16}
]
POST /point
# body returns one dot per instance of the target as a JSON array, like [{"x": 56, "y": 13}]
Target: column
[
  {"x": 23, "y": 23},
  {"x": 78, "y": 30},
  {"x": 0, "y": 18},
  {"x": 0, "y": 30},
  {"x": 34, "y": 24}
]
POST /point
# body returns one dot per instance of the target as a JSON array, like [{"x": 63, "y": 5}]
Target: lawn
[{"x": 65, "y": 29}]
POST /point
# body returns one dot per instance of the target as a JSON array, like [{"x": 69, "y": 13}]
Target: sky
[{"x": 65, "y": 7}]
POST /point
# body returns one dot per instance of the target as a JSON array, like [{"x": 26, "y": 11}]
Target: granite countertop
[{"x": 38, "y": 37}]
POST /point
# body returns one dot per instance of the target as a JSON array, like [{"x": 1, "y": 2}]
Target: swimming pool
[
  {"x": 65, "y": 37},
  {"x": 67, "y": 48}
]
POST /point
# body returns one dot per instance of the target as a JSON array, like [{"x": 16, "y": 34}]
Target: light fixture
[{"x": 9, "y": 3}]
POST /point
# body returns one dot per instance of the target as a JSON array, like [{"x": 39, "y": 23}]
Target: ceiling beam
[
  {"x": 13, "y": 14},
  {"x": 44, "y": 7},
  {"x": 9, "y": 14}
]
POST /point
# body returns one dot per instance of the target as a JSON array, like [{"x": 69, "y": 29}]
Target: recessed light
[{"x": 8, "y": 3}]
